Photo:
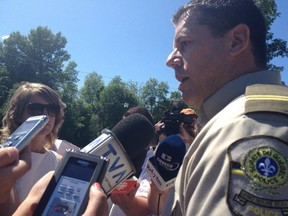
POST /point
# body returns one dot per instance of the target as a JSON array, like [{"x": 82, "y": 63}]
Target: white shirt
[{"x": 40, "y": 165}]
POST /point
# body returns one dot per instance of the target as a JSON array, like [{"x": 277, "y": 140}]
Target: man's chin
[
  {"x": 190, "y": 101},
  {"x": 187, "y": 99}
]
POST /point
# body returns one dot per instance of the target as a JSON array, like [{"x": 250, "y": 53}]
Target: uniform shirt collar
[{"x": 234, "y": 89}]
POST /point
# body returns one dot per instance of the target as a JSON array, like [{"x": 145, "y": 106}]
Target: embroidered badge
[
  {"x": 258, "y": 177},
  {"x": 266, "y": 168}
]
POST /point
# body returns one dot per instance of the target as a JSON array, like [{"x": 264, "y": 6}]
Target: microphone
[
  {"x": 164, "y": 166},
  {"x": 125, "y": 146}
]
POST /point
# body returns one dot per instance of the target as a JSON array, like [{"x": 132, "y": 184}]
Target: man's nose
[{"x": 174, "y": 60}]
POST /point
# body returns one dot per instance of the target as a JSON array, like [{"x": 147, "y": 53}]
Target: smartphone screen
[{"x": 71, "y": 187}]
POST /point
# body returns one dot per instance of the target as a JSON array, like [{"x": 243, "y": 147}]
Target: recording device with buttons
[{"x": 68, "y": 191}]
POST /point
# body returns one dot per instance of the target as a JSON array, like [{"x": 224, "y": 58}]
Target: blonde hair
[{"x": 17, "y": 105}]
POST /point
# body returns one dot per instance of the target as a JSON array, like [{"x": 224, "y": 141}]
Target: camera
[{"x": 172, "y": 121}]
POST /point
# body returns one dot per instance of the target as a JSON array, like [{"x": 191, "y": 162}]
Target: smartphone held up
[{"x": 22, "y": 136}]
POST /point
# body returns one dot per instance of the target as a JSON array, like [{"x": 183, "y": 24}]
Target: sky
[{"x": 127, "y": 38}]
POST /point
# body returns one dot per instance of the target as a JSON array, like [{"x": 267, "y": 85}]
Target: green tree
[
  {"x": 90, "y": 95},
  {"x": 38, "y": 57},
  {"x": 73, "y": 112},
  {"x": 77, "y": 124},
  {"x": 175, "y": 95},
  {"x": 154, "y": 97},
  {"x": 3, "y": 88},
  {"x": 115, "y": 99},
  {"x": 136, "y": 88},
  {"x": 93, "y": 86},
  {"x": 276, "y": 47}
]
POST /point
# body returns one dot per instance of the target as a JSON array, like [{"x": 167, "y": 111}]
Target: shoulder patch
[
  {"x": 258, "y": 176},
  {"x": 267, "y": 98}
]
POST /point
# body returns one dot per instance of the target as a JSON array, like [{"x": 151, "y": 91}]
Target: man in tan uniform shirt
[{"x": 238, "y": 163}]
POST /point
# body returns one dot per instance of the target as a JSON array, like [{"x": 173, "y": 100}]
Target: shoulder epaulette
[{"x": 266, "y": 98}]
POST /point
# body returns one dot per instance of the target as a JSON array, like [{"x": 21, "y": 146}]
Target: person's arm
[
  {"x": 156, "y": 199},
  {"x": 97, "y": 204},
  {"x": 29, "y": 205},
  {"x": 12, "y": 167},
  {"x": 131, "y": 204}
]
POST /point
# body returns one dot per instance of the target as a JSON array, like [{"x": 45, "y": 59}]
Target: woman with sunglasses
[{"x": 32, "y": 99}]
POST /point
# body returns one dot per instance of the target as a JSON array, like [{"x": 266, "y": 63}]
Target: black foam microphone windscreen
[
  {"x": 125, "y": 146},
  {"x": 169, "y": 156},
  {"x": 134, "y": 133}
]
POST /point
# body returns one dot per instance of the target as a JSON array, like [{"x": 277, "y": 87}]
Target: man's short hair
[{"x": 222, "y": 15}]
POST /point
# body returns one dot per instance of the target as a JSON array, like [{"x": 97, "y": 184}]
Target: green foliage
[
  {"x": 113, "y": 101},
  {"x": 154, "y": 94},
  {"x": 276, "y": 47},
  {"x": 136, "y": 88},
  {"x": 76, "y": 125},
  {"x": 90, "y": 92},
  {"x": 4, "y": 89},
  {"x": 38, "y": 57}
]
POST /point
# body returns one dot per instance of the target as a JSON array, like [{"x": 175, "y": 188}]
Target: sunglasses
[{"x": 38, "y": 109}]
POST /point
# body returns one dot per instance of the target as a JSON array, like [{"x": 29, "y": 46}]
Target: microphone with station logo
[
  {"x": 125, "y": 146},
  {"x": 164, "y": 166}
]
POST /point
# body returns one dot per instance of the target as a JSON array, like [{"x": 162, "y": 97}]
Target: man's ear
[{"x": 240, "y": 39}]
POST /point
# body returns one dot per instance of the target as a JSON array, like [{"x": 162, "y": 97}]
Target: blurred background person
[
  {"x": 189, "y": 129},
  {"x": 185, "y": 123}
]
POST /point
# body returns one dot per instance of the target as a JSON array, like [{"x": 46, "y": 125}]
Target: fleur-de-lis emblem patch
[
  {"x": 258, "y": 176},
  {"x": 267, "y": 166}
]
